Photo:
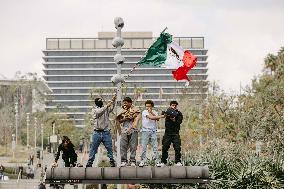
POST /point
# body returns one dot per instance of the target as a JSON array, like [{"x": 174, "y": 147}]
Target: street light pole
[
  {"x": 119, "y": 97},
  {"x": 13, "y": 145},
  {"x": 118, "y": 78},
  {"x": 16, "y": 120},
  {"x": 41, "y": 137},
  {"x": 53, "y": 133},
  {"x": 28, "y": 130},
  {"x": 35, "y": 126}
]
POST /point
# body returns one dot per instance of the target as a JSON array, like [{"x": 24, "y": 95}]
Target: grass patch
[{"x": 21, "y": 153}]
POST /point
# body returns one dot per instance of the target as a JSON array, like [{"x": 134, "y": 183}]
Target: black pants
[
  {"x": 70, "y": 161},
  {"x": 167, "y": 140}
]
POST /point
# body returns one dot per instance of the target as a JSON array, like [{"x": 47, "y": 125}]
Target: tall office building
[{"x": 75, "y": 67}]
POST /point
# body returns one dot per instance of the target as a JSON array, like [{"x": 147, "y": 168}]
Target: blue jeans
[
  {"x": 149, "y": 136},
  {"x": 98, "y": 138}
]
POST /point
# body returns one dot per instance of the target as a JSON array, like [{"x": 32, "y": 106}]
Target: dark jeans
[
  {"x": 98, "y": 138},
  {"x": 167, "y": 140},
  {"x": 70, "y": 161}
]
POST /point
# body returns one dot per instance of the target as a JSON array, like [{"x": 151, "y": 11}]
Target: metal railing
[{"x": 129, "y": 43}]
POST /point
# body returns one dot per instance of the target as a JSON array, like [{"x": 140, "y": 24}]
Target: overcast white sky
[{"x": 238, "y": 33}]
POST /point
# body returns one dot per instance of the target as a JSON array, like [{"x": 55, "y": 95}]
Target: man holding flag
[{"x": 165, "y": 53}]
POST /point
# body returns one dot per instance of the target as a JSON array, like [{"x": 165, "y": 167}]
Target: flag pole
[{"x": 164, "y": 29}]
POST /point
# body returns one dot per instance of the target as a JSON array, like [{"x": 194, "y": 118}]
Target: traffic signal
[{"x": 38, "y": 154}]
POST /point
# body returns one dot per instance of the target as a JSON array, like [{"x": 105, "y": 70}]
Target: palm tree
[{"x": 270, "y": 63}]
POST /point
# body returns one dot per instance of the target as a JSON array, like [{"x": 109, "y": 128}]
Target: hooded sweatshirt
[{"x": 100, "y": 117}]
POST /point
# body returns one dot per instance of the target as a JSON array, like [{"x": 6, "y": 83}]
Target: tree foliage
[{"x": 234, "y": 123}]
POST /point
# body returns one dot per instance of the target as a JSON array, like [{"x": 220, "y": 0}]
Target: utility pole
[{"x": 28, "y": 130}]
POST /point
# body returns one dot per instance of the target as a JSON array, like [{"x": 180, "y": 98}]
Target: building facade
[{"x": 77, "y": 67}]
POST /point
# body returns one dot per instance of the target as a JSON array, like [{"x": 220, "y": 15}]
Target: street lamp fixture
[{"x": 117, "y": 79}]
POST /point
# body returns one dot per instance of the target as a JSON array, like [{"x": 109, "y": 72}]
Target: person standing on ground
[
  {"x": 172, "y": 124},
  {"x": 30, "y": 172},
  {"x": 81, "y": 146},
  {"x": 128, "y": 119},
  {"x": 31, "y": 159},
  {"x": 41, "y": 186},
  {"x": 21, "y": 170},
  {"x": 149, "y": 132},
  {"x": 101, "y": 134},
  {"x": 2, "y": 169}
]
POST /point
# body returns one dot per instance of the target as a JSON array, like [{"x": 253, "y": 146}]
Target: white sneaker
[
  {"x": 160, "y": 164},
  {"x": 178, "y": 164},
  {"x": 123, "y": 164},
  {"x": 132, "y": 164},
  {"x": 141, "y": 164}
]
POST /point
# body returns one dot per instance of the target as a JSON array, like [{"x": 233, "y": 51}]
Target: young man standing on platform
[
  {"x": 128, "y": 118},
  {"x": 101, "y": 134},
  {"x": 172, "y": 124},
  {"x": 149, "y": 132}
]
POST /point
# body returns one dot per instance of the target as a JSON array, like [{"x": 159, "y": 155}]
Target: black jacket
[
  {"x": 67, "y": 153},
  {"x": 41, "y": 186},
  {"x": 173, "y": 127}
]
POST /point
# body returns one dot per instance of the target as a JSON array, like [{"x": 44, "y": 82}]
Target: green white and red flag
[{"x": 166, "y": 53}]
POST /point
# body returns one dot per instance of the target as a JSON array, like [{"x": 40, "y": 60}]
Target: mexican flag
[{"x": 166, "y": 53}]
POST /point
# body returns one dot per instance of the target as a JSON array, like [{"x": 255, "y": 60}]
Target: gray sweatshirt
[{"x": 100, "y": 117}]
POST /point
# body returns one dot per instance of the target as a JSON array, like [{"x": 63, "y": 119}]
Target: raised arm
[{"x": 112, "y": 103}]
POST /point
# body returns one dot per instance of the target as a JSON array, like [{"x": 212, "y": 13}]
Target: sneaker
[
  {"x": 89, "y": 165},
  {"x": 79, "y": 165},
  {"x": 112, "y": 163},
  {"x": 123, "y": 164},
  {"x": 141, "y": 164},
  {"x": 132, "y": 164},
  {"x": 178, "y": 164},
  {"x": 160, "y": 164}
]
